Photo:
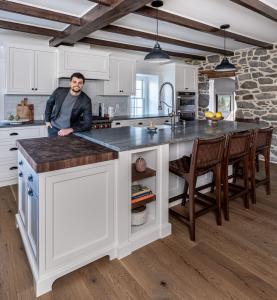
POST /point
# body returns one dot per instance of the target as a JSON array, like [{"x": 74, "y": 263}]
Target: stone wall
[{"x": 256, "y": 86}]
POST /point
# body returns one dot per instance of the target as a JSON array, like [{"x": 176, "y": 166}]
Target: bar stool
[
  {"x": 261, "y": 146},
  {"x": 206, "y": 156},
  {"x": 237, "y": 151}
]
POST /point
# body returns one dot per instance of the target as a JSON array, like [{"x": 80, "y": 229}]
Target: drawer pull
[
  {"x": 13, "y": 133},
  {"x": 20, "y": 174},
  {"x": 30, "y": 192},
  {"x": 166, "y": 121},
  {"x": 13, "y": 168},
  {"x": 140, "y": 123},
  {"x": 13, "y": 149},
  {"x": 117, "y": 123},
  {"x": 30, "y": 178},
  {"x": 20, "y": 163}
]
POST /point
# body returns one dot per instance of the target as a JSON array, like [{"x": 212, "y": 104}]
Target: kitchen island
[{"x": 75, "y": 193}]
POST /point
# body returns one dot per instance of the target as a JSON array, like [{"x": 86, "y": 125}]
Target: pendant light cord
[{"x": 225, "y": 42}]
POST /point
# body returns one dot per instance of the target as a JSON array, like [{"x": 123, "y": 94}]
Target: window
[
  {"x": 224, "y": 104},
  {"x": 137, "y": 102}
]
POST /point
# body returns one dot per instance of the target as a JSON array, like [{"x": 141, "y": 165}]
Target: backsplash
[{"x": 93, "y": 88}]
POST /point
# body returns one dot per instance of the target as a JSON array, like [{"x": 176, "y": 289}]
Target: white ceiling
[{"x": 211, "y": 12}]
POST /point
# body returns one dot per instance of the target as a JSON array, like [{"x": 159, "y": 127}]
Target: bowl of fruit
[{"x": 214, "y": 117}]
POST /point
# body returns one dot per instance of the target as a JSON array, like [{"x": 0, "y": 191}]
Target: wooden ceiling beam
[
  {"x": 215, "y": 74},
  {"x": 258, "y": 7},
  {"x": 150, "y": 12},
  {"x": 103, "y": 2},
  {"x": 164, "y": 39},
  {"x": 97, "y": 18},
  {"x": 29, "y": 29},
  {"x": 38, "y": 12},
  {"x": 111, "y": 44}
]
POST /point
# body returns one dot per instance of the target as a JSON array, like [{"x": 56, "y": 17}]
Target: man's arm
[{"x": 49, "y": 106}]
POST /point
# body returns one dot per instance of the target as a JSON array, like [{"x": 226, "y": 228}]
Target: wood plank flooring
[{"x": 235, "y": 261}]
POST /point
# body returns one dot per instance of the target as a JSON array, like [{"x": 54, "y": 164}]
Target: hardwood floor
[{"x": 235, "y": 261}]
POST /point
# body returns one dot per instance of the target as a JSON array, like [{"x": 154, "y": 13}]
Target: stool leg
[
  {"x": 191, "y": 211},
  {"x": 245, "y": 181},
  {"x": 186, "y": 186},
  {"x": 267, "y": 172},
  {"x": 253, "y": 181},
  {"x": 225, "y": 193},
  {"x": 218, "y": 195}
]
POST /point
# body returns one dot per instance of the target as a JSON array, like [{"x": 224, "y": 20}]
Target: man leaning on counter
[{"x": 69, "y": 109}]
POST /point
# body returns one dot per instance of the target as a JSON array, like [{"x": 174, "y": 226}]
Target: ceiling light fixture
[
  {"x": 225, "y": 65},
  {"x": 157, "y": 55}
]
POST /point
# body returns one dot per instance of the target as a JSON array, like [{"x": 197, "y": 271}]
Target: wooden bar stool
[
  {"x": 206, "y": 156},
  {"x": 261, "y": 146},
  {"x": 237, "y": 151}
]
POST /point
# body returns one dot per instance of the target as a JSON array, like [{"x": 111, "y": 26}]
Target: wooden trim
[
  {"x": 103, "y": 2},
  {"x": 165, "y": 39},
  {"x": 38, "y": 12},
  {"x": 105, "y": 43},
  {"x": 258, "y": 7},
  {"x": 195, "y": 25},
  {"x": 215, "y": 74},
  {"x": 97, "y": 18},
  {"x": 29, "y": 29}
]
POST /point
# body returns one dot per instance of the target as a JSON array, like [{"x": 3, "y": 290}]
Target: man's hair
[{"x": 78, "y": 75}]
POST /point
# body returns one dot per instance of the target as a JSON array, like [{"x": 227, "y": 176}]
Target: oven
[{"x": 186, "y": 105}]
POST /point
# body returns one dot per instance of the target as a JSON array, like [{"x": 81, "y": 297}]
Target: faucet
[{"x": 173, "y": 113}]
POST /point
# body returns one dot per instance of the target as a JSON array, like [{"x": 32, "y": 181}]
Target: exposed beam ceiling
[
  {"x": 259, "y": 7},
  {"x": 103, "y": 2},
  {"x": 216, "y": 74},
  {"x": 182, "y": 21},
  {"x": 29, "y": 29},
  {"x": 97, "y": 18},
  {"x": 105, "y": 43},
  {"x": 38, "y": 12},
  {"x": 150, "y": 36}
]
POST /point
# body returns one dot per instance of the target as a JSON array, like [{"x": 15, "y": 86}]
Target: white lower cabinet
[
  {"x": 8, "y": 150},
  {"x": 66, "y": 218},
  {"x": 145, "y": 122}
]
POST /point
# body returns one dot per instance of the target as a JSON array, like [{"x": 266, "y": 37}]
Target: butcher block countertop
[{"x": 55, "y": 153}]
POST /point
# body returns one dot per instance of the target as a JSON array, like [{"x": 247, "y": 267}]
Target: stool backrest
[
  {"x": 248, "y": 120},
  {"x": 237, "y": 145},
  {"x": 263, "y": 137},
  {"x": 207, "y": 153}
]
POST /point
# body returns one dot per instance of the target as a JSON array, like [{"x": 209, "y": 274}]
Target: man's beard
[{"x": 76, "y": 89}]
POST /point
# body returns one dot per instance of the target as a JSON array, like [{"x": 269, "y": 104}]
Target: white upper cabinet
[
  {"x": 186, "y": 78},
  {"x": 92, "y": 64},
  {"x": 30, "y": 71},
  {"x": 122, "y": 77}
]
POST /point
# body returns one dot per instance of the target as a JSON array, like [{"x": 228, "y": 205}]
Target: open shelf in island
[
  {"x": 138, "y": 203},
  {"x": 141, "y": 175}
]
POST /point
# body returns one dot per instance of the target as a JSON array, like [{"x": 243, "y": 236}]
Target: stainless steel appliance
[{"x": 186, "y": 105}]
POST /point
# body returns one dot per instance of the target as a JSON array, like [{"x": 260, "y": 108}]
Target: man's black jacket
[{"x": 81, "y": 115}]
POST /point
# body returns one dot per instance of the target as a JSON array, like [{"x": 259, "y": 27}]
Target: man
[{"x": 69, "y": 109}]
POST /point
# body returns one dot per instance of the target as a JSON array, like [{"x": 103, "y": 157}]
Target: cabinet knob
[
  {"x": 20, "y": 163},
  {"x": 33, "y": 89},
  {"x": 20, "y": 174},
  {"x": 13, "y": 133},
  {"x": 36, "y": 89},
  {"x": 13, "y": 168},
  {"x": 30, "y": 192},
  {"x": 30, "y": 178},
  {"x": 13, "y": 149}
]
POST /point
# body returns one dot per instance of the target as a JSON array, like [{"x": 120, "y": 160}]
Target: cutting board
[{"x": 25, "y": 111}]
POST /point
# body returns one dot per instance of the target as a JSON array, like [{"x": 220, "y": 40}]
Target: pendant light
[
  {"x": 225, "y": 65},
  {"x": 157, "y": 55}
]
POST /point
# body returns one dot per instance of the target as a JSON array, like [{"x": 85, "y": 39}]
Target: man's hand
[
  {"x": 48, "y": 124},
  {"x": 64, "y": 132}
]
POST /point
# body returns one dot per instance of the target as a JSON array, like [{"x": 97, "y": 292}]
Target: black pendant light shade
[
  {"x": 225, "y": 65},
  {"x": 157, "y": 55}
]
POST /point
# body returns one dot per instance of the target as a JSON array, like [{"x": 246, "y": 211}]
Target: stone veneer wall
[{"x": 256, "y": 86}]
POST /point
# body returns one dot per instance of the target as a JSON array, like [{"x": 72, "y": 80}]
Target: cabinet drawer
[
  {"x": 8, "y": 170},
  {"x": 8, "y": 151},
  {"x": 17, "y": 133}
]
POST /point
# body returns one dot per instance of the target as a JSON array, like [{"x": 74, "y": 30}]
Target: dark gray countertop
[
  {"x": 128, "y": 138},
  {"x": 31, "y": 123},
  {"x": 117, "y": 118}
]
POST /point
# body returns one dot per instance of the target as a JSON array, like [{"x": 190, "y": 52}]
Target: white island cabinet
[{"x": 66, "y": 218}]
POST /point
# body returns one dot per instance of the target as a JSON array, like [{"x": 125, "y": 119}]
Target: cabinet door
[
  {"x": 111, "y": 86},
  {"x": 126, "y": 77},
  {"x": 190, "y": 76},
  {"x": 32, "y": 223},
  {"x": 22, "y": 196},
  {"x": 45, "y": 72},
  {"x": 20, "y": 69}
]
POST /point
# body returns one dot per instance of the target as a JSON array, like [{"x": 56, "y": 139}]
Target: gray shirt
[{"x": 63, "y": 119}]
